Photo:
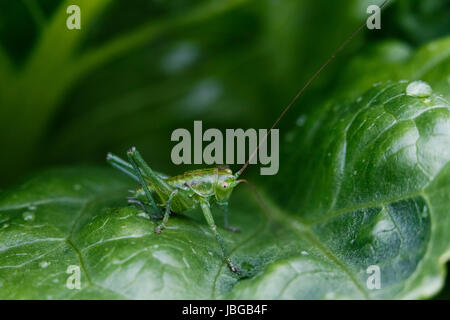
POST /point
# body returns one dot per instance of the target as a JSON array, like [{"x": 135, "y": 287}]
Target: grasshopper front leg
[
  {"x": 225, "y": 219},
  {"x": 209, "y": 218}
]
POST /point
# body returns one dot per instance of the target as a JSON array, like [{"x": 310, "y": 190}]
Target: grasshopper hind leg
[
  {"x": 163, "y": 189},
  {"x": 132, "y": 169},
  {"x": 131, "y": 157}
]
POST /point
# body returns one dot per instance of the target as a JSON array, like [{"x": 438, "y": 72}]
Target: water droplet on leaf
[
  {"x": 143, "y": 215},
  {"x": 419, "y": 89},
  {"x": 28, "y": 216}
]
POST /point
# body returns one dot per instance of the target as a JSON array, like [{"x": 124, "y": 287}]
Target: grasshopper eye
[{"x": 224, "y": 185}]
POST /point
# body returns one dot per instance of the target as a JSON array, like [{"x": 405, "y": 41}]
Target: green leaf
[
  {"x": 78, "y": 217},
  {"x": 370, "y": 187},
  {"x": 361, "y": 184}
]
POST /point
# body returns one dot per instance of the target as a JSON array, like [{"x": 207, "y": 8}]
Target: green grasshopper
[
  {"x": 193, "y": 189},
  {"x": 196, "y": 188}
]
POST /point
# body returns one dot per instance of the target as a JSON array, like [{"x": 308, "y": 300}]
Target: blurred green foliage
[{"x": 137, "y": 70}]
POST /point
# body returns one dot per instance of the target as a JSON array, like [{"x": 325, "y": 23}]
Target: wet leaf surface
[{"x": 362, "y": 183}]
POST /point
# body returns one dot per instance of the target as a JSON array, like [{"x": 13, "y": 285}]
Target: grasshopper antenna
[{"x": 302, "y": 90}]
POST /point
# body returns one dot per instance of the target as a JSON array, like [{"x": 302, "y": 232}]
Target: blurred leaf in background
[
  {"x": 418, "y": 22},
  {"x": 135, "y": 71}
]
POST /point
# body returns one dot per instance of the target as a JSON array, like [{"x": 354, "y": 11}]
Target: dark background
[{"x": 139, "y": 69}]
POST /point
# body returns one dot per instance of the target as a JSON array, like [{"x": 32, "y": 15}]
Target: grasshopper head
[{"x": 225, "y": 184}]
